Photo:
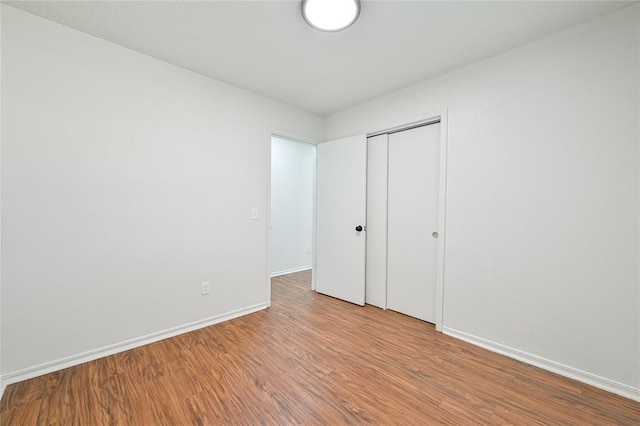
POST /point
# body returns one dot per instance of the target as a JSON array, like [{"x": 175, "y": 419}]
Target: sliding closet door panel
[
  {"x": 376, "y": 281},
  {"x": 414, "y": 158}
]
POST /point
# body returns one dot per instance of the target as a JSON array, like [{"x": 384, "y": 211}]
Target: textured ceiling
[{"x": 265, "y": 47}]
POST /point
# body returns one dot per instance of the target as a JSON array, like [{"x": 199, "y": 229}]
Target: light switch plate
[{"x": 254, "y": 213}]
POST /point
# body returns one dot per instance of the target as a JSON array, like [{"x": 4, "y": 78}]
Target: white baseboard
[
  {"x": 70, "y": 361},
  {"x": 555, "y": 367},
  {"x": 290, "y": 271},
  {"x": 3, "y": 386}
]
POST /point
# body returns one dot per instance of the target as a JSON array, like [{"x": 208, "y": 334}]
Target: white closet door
[
  {"x": 341, "y": 205},
  {"x": 376, "y": 288},
  {"x": 414, "y": 158}
]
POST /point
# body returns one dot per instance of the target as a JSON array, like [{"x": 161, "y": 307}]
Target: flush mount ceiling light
[{"x": 330, "y": 15}]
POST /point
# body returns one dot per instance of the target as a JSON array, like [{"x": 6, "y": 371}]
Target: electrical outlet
[{"x": 205, "y": 288}]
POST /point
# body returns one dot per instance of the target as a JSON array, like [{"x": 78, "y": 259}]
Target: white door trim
[
  {"x": 442, "y": 220},
  {"x": 441, "y": 117}
]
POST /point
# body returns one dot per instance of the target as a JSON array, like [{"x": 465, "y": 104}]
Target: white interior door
[
  {"x": 413, "y": 185},
  {"x": 340, "y": 209}
]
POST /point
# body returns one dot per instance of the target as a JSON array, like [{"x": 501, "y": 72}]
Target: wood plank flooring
[{"x": 310, "y": 359}]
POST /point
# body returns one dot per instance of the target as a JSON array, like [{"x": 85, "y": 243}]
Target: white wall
[
  {"x": 292, "y": 170},
  {"x": 542, "y": 206},
  {"x": 126, "y": 183}
]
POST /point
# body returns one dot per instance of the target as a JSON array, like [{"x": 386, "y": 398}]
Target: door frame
[
  {"x": 298, "y": 139},
  {"x": 441, "y": 117}
]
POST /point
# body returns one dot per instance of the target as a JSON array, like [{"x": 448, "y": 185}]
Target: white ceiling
[{"x": 265, "y": 47}]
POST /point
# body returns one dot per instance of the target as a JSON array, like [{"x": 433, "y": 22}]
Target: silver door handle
[{"x": 434, "y": 235}]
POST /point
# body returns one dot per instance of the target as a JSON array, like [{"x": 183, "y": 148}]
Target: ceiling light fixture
[{"x": 330, "y": 15}]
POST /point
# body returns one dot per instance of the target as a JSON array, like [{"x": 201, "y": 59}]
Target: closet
[{"x": 403, "y": 182}]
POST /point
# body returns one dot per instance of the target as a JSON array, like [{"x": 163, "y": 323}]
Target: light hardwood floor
[{"x": 315, "y": 360}]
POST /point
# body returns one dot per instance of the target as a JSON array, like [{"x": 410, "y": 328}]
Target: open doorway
[{"x": 292, "y": 206}]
